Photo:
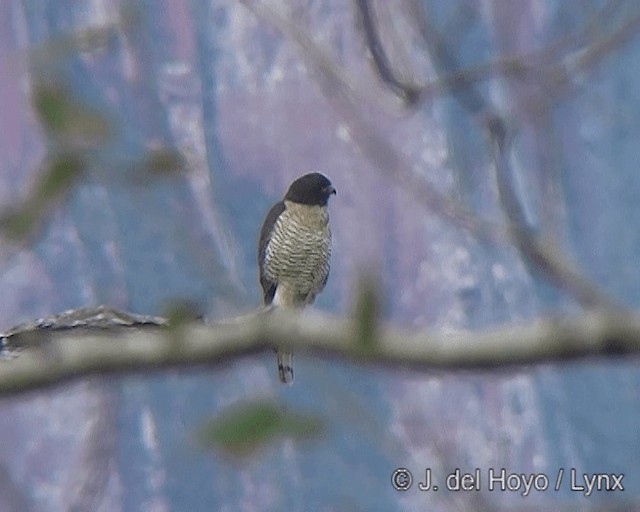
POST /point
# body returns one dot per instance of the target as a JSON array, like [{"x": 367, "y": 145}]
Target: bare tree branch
[
  {"x": 71, "y": 354},
  {"x": 553, "y": 67},
  {"x": 540, "y": 253},
  {"x": 406, "y": 91}
]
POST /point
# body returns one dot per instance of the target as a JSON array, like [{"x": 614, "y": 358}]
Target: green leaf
[
  {"x": 366, "y": 315},
  {"x": 59, "y": 177},
  {"x": 180, "y": 312},
  {"x": 245, "y": 429},
  {"x": 163, "y": 162},
  {"x": 19, "y": 223},
  {"x": 52, "y": 105},
  {"x": 66, "y": 119}
]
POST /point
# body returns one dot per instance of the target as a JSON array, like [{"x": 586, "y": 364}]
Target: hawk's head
[{"x": 312, "y": 189}]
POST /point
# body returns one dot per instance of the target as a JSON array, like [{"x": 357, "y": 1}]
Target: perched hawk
[{"x": 294, "y": 250}]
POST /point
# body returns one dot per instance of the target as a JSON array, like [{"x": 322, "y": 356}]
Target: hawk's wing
[{"x": 268, "y": 287}]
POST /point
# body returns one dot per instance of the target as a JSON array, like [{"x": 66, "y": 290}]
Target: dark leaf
[
  {"x": 66, "y": 119},
  {"x": 163, "y": 162},
  {"x": 18, "y": 224},
  {"x": 367, "y": 314},
  {"x": 59, "y": 177},
  {"x": 62, "y": 174},
  {"x": 245, "y": 429}
]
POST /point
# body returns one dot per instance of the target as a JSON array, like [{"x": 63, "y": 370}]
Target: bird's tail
[{"x": 285, "y": 367}]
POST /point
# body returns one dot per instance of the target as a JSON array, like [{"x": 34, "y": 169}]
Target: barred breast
[{"x": 298, "y": 254}]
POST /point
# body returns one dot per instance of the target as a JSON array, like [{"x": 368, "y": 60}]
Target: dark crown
[{"x": 312, "y": 189}]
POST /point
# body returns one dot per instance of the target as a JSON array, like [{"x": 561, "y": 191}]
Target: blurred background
[{"x": 142, "y": 142}]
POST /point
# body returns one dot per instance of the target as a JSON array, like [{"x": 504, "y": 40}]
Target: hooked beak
[{"x": 330, "y": 190}]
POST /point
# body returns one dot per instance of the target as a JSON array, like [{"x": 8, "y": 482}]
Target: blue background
[{"x": 246, "y": 111}]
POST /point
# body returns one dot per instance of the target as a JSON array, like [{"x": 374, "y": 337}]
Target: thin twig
[
  {"x": 407, "y": 92},
  {"x": 541, "y": 254}
]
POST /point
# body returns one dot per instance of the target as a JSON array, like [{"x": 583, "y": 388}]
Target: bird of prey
[{"x": 294, "y": 251}]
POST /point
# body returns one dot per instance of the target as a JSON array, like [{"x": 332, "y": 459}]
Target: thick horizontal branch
[{"x": 70, "y": 354}]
